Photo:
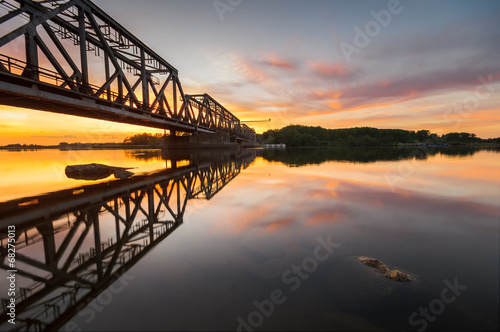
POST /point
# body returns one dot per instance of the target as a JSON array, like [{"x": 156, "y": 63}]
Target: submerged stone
[
  {"x": 96, "y": 172},
  {"x": 397, "y": 275},
  {"x": 393, "y": 275},
  {"x": 123, "y": 174}
]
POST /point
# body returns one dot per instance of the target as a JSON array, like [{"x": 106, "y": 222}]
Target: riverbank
[{"x": 70, "y": 147}]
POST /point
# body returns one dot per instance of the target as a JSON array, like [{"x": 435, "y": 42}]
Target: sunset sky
[{"x": 386, "y": 64}]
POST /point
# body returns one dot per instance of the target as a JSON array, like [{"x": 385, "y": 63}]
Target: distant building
[{"x": 275, "y": 146}]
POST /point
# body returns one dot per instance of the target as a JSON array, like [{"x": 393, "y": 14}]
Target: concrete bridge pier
[{"x": 200, "y": 141}]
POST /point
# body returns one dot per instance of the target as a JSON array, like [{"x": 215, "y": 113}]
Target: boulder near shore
[
  {"x": 96, "y": 172},
  {"x": 394, "y": 274}
]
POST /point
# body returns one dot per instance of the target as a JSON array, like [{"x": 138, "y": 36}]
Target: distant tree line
[
  {"x": 296, "y": 135},
  {"x": 144, "y": 139}
]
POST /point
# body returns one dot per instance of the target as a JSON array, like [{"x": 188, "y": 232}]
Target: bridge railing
[
  {"x": 210, "y": 113},
  {"x": 17, "y": 67}
]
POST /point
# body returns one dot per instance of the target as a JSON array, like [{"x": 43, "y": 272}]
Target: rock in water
[
  {"x": 374, "y": 263},
  {"x": 397, "y": 275},
  {"x": 96, "y": 172},
  {"x": 123, "y": 174},
  {"x": 393, "y": 275}
]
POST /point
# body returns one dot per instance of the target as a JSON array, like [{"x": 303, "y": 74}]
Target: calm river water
[{"x": 253, "y": 240}]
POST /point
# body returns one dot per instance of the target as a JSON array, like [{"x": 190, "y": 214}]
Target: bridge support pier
[{"x": 201, "y": 141}]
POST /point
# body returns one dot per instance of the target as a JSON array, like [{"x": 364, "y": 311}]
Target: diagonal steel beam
[
  {"x": 61, "y": 48},
  {"x": 161, "y": 93},
  {"x": 39, "y": 18},
  {"x": 114, "y": 213},
  {"x": 69, "y": 237},
  {"x": 112, "y": 57},
  {"x": 107, "y": 84},
  {"x": 25, "y": 274},
  {"x": 166, "y": 202},
  {"x": 54, "y": 62},
  {"x": 77, "y": 246},
  {"x": 11, "y": 15}
]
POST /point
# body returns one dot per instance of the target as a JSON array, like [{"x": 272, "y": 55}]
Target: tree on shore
[
  {"x": 144, "y": 139},
  {"x": 297, "y": 135}
]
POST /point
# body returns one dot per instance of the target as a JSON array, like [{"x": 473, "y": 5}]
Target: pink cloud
[
  {"x": 325, "y": 94},
  {"x": 250, "y": 71},
  {"x": 278, "y": 61}
]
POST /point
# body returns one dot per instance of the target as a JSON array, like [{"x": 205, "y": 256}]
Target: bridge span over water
[{"x": 70, "y": 57}]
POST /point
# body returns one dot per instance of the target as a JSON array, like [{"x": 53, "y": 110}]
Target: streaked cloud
[
  {"x": 278, "y": 61},
  {"x": 328, "y": 70}
]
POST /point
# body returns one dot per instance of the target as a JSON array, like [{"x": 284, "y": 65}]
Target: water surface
[{"x": 256, "y": 232}]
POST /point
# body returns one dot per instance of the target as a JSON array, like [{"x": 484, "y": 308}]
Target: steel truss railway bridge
[
  {"x": 70, "y": 57},
  {"x": 75, "y": 244}
]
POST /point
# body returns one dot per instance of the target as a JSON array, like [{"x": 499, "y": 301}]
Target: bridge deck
[{"x": 23, "y": 92}]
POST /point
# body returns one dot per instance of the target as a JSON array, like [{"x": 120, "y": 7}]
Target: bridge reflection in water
[{"x": 73, "y": 244}]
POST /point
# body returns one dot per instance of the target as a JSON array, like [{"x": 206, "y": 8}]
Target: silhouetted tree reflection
[
  {"x": 316, "y": 156},
  {"x": 146, "y": 155}
]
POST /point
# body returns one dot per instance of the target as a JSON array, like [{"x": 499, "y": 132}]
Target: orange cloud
[
  {"x": 324, "y": 217},
  {"x": 328, "y": 70},
  {"x": 277, "y": 225},
  {"x": 322, "y": 95}
]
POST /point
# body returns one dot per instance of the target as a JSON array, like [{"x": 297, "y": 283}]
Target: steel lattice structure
[
  {"x": 64, "y": 41},
  {"x": 89, "y": 257},
  {"x": 213, "y": 115}
]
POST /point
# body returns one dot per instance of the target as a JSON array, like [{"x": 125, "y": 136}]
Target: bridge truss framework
[{"x": 124, "y": 81}]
